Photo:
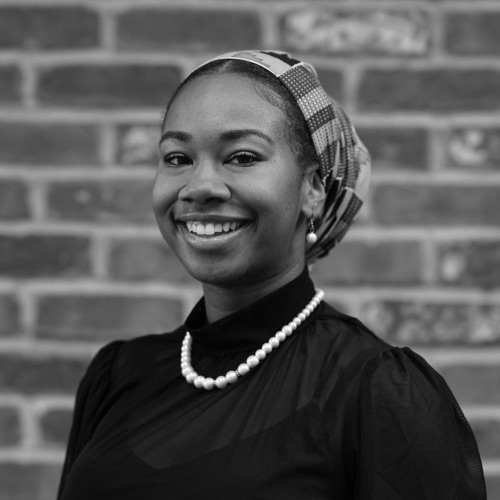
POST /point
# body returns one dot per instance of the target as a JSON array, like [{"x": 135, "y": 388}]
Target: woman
[{"x": 265, "y": 391}]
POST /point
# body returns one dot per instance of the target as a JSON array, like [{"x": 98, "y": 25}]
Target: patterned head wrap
[{"x": 344, "y": 161}]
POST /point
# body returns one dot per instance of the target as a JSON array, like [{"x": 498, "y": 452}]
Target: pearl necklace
[{"x": 208, "y": 383}]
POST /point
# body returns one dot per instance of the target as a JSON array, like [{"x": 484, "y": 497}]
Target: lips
[{"x": 212, "y": 228}]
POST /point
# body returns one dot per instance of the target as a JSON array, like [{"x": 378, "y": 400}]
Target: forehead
[{"x": 223, "y": 100}]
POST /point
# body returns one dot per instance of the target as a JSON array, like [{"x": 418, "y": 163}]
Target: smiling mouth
[{"x": 213, "y": 228}]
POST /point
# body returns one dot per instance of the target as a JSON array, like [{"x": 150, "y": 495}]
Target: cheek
[{"x": 163, "y": 195}]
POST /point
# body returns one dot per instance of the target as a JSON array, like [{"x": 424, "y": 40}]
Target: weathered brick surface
[
  {"x": 138, "y": 145},
  {"x": 396, "y": 148},
  {"x": 473, "y": 384},
  {"x": 107, "y": 85},
  {"x": 83, "y": 85},
  {"x": 32, "y": 481},
  {"x": 10, "y": 85},
  {"x": 145, "y": 260},
  {"x": 493, "y": 487},
  {"x": 440, "y": 90},
  {"x": 333, "y": 82},
  {"x": 40, "y": 375},
  {"x": 9, "y": 315},
  {"x": 44, "y": 255},
  {"x": 48, "y": 144},
  {"x": 101, "y": 317},
  {"x": 105, "y": 201},
  {"x": 14, "y": 203},
  {"x": 426, "y": 323},
  {"x": 379, "y": 31},
  {"x": 10, "y": 426},
  {"x": 371, "y": 262},
  {"x": 35, "y": 28},
  {"x": 54, "y": 427},
  {"x": 161, "y": 29},
  {"x": 432, "y": 204},
  {"x": 472, "y": 263},
  {"x": 487, "y": 432},
  {"x": 474, "y": 148},
  {"x": 473, "y": 33}
]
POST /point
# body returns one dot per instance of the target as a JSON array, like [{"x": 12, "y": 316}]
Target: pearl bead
[
  {"x": 208, "y": 384},
  {"x": 267, "y": 347},
  {"x": 243, "y": 369},
  {"x": 311, "y": 238},
  {"x": 260, "y": 353},
  {"x": 198, "y": 381},
  {"x": 252, "y": 361},
  {"x": 231, "y": 377},
  {"x": 221, "y": 382}
]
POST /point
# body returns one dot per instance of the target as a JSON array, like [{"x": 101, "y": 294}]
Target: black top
[{"x": 333, "y": 413}]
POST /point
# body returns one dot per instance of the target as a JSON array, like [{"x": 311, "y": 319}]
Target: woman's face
[{"x": 228, "y": 193}]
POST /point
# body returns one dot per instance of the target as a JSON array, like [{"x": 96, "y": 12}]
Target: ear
[{"x": 313, "y": 193}]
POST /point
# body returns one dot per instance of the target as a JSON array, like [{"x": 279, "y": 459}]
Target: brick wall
[{"x": 82, "y": 85}]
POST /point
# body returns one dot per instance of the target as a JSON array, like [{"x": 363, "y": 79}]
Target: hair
[{"x": 273, "y": 91}]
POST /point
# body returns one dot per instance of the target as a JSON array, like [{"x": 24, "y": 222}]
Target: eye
[
  {"x": 176, "y": 159},
  {"x": 243, "y": 158}
]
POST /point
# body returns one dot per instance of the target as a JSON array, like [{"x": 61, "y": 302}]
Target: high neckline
[{"x": 252, "y": 325}]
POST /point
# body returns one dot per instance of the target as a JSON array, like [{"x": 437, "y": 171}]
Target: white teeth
[{"x": 210, "y": 228}]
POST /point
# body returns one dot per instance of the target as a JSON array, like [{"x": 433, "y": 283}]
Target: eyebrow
[{"x": 229, "y": 136}]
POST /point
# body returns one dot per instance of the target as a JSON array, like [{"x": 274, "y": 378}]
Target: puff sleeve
[
  {"x": 414, "y": 441},
  {"x": 93, "y": 399}
]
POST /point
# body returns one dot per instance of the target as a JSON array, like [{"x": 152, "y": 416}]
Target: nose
[{"x": 205, "y": 183}]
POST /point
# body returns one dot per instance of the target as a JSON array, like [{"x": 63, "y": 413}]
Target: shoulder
[{"x": 121, "y": 361}]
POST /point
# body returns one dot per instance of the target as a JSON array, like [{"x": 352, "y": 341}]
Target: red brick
[
  {"x": 440, "y": 90},
  {"x": 471, "y": 263},
  {"x": 40, "y": 375},
  {"x": 432, "y": 204},
  {"x": 371, "y": 262},
  {"x": 107, "y": 85},
  {"x": 9, "y": 312},
  {"x": 10, "y": 85},
  {"x": 162, "y": 29},
  {"x": 366, "y": 31},
  {"x": 103, "y": 201},
  {"x": 13, "y": 200},
  {"x": 49, "y": 144},
  {"x": 473, "y": 384},
  {"x": 54, "y": 426},
  {"x": 472, "y": 33},
  {"x": 105, "y": 317},
  {"x": 138, "y": 145},
  {"x": 333, "y": 82},
  {"x": 401, "y": 148},
  {"x": 35, "y": 481},
  {"x": 426, "y": 323},
  {"x": 145, "y": 260},
  {"x": 475, "y": 148},
  {"x": 10, "y": 426},
  {"x": 487, "y": 434},
  {"x": 48, "y": 28},
  {"x": 44, "y": 255}
]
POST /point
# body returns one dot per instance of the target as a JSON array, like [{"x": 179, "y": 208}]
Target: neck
[{"x": 221, "y": 301}]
